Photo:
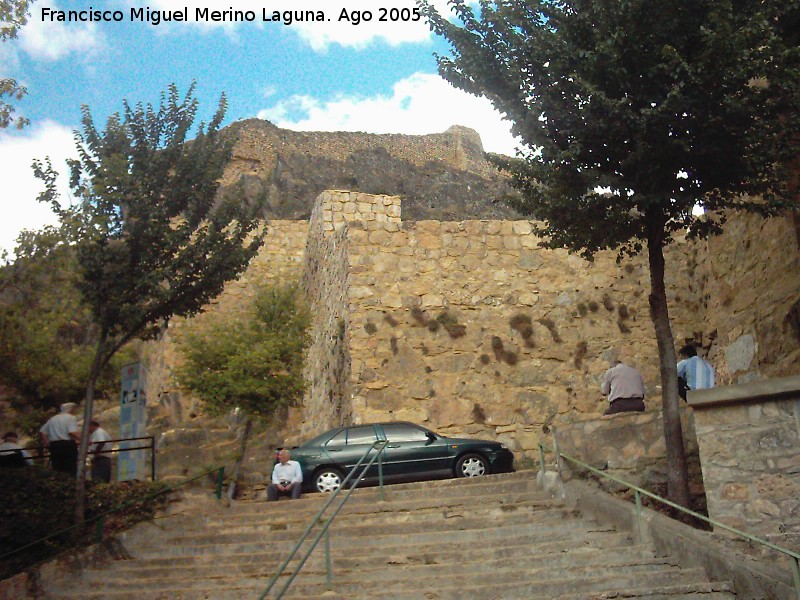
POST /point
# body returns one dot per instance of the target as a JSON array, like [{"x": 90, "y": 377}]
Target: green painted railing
[
  {"x": 99, "y": 520},
  {"x": 639, "y": 492},
  {"x": 380, "y": 446}
]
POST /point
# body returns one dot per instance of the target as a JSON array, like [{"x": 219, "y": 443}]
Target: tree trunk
[
  {"x": 677, "y": 473},
  {"x": 248, "y": 425},
  {"x": 88, "y": 408}
]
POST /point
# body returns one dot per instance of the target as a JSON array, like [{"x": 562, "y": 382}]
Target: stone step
[
  {"x": 399, "y": 575},
  {"x": 496, "y": 485},
  {"x": 384, "y": 524},
  {"x": 692, "y": 591},
  {"x": 455, "y": 533},
  {"x": 400, "y": 557},
  {"x": 456, "y": 586},
  {"x": 508, "y": 549},
  {"x": 285, "y": 512},
  {"x": 517, "y": 583},
  {"x": 715, "y": 590}
]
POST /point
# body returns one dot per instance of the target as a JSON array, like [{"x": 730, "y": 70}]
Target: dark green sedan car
[{"x": 412, "y": 453}]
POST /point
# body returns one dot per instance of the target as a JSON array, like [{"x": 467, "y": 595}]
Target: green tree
[
  {"x": 47, "y": 336},
  {"x": 13, "y": 16},
  {"x": 252, "y": 361},
  {"x": 152, "y": 238},
  {"x": 631, "y": 113}
]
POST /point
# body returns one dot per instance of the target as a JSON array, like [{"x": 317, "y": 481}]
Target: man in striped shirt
[{"x": 697, "y": 374}]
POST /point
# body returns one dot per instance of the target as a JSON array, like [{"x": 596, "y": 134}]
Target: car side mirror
[{"x": 431, "y": 436}]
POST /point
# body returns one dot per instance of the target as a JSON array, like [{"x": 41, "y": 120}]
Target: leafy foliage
[
  {"x": 47, "y": 337},
  {"x": 152, "y": 239},
  {"x": 630, "y": 114},
  {"x": 633, "y": 112},
  {"x": 13, "y": 16},
  {"x": 252, "y": 361},
  {"x": 43, "y": 504}
]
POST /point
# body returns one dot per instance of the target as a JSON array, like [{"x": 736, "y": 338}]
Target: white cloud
[
  {"x": 355, "y": 30},
  {"x": 52, "y": 41},
  {"x": 422, "y": 103},
  {"x": 20, "y": 209}
]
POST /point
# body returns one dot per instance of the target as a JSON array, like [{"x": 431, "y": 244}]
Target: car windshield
[{"x": 319, "y": 440}]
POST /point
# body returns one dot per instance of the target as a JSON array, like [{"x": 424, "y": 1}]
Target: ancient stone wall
[
  {"x": 629, "y": 446},
  {"x": 260, "y": 143},
  {"x": 280, "y": 258},
  {"x": 751, "y": 280},
  {"x": 749, "y": 439},
  {"x": 470, "y": 327}
]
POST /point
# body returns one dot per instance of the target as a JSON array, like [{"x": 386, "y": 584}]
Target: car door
[
  {"x": 413, "y": 451},
  {"x": 349, "y": 445}
]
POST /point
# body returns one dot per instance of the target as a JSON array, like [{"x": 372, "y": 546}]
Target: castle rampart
[{"x": 471, "y": 328}]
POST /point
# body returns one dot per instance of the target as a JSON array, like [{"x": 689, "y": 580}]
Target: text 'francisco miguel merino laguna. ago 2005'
[{"x": 285, "y": 17}]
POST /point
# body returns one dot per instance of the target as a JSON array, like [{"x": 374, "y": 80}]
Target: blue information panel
[{"x": 132, "y": 424}]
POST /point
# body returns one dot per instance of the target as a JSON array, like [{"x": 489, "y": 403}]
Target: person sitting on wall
[
  {"x": 287, "y": 478},
  {"x": 694, "y": 373},
  {"x": 625, "y": 388},
  {"x": 12, "y": 454}
]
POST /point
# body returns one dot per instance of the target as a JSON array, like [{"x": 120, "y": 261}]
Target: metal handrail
[
  {"x": 220, "y": 470},
  {"x": 42, "y": 452},
  {"x": 380, "y": 445},
  {"x": 638, "y": 492}
]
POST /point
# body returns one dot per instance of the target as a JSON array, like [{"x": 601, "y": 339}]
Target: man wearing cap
[
  {"x": 101, "y": 452},
  {"x": 60, "y": 435}
]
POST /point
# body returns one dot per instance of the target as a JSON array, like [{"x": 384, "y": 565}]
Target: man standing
[
  {"x": 12, "y": 454},
  {"x": 695, "y": 373},
  {"x": 101, "y": 452},
  {"x": 625, "y": 388},
  {"x": 60, "y": 435},
  {"x": 287, "y": 478}
]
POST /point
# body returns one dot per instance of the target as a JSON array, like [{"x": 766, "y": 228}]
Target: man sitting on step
[{"x": 287, "y": 478}]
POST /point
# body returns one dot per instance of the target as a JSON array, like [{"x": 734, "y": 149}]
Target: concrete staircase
[{"x": 493, "y": 537}]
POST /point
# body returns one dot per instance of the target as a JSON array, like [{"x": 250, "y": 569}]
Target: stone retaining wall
[
  {"x": 749, "y": 439},
  {"x": 629, "y": 446}
]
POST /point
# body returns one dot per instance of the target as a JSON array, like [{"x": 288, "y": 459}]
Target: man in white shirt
[
  {"x": 12, "y": 454},
  {"x": 287, "y": 478},
  {"x": 60, "y": 435},
  {"x": 101, "y": 452}
]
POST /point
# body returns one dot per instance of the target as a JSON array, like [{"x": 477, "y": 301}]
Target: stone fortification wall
[
  {"x": 630, "y": 446},
  {"x": 281, "y": 257},
  {"x": 749, "y": 438},
  {"x": 260, "y": 143},
  {"x": 751, "y": 321},
  {"x": 470, "y": 327},
  {"x": 326, "y": 281}
]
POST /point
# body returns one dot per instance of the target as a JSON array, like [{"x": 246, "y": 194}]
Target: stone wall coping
[{"x": 756, "y": 391}]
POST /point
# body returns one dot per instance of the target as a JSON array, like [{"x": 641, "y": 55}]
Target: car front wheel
[
  {"x": 471, "y": 465},
  {"x": 328, "y": 480}
]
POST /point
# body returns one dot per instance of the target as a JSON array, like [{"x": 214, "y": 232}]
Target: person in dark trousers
[
  {"x": 60, "y": 435},
  {"x": 625, "y": 388},
  {"x": 101, "y": 452},
  {"x": 287, "y": 478},
  {"x": 12, "y": 454}
]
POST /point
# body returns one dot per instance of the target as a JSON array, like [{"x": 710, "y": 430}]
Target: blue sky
[{"x": 378, "y": 77}]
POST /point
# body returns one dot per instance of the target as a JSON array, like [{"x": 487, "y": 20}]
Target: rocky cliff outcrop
[{"x": 444, "y": 176}]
